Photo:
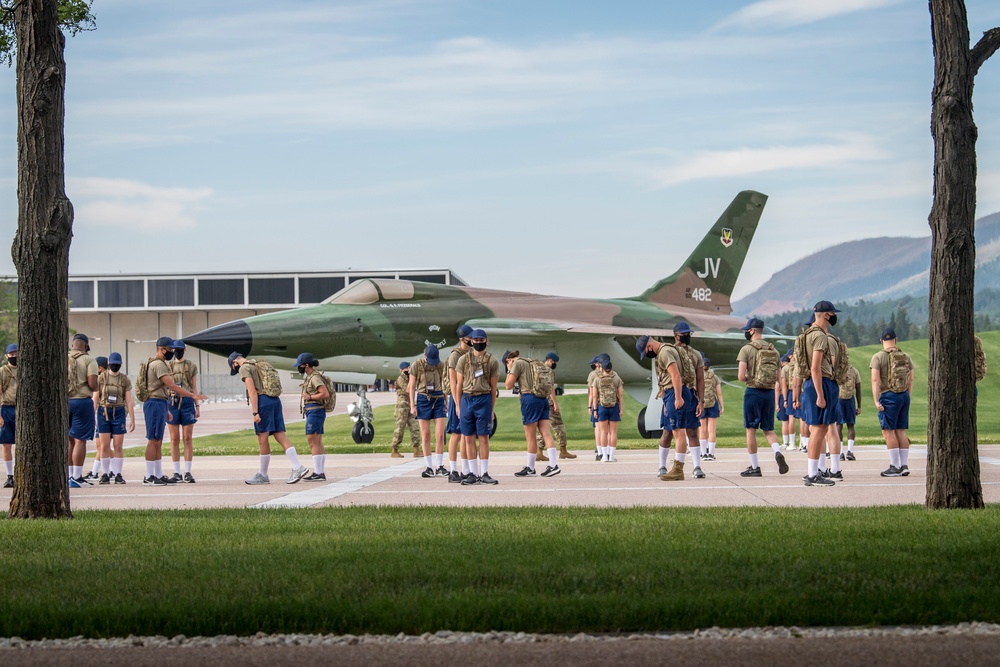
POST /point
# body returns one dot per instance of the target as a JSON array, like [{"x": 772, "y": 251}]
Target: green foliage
[
  {"x": 377, "y": 570},
  {"x": 74, "y": 17}
]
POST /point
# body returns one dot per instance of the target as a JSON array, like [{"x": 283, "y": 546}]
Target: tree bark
[
  {"x": 41, "y": 255},
  {"x": 953, "y": 472}
]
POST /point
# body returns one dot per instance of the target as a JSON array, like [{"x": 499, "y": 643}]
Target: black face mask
[
  {"x": 748, "y": 335},
  {"x": 302, "y": 370},
  {"x": 12, "y": 361},
  {"x": 684, "y": 339},
  {"x": 553, "y": 366},
  {"x": 178, "y": 354},
  {"x": 479, "y": 347},
  {"x": 593, "y": 367},
  {"x": 115, "y": 367},
  {"x": 168, "y": 355},
  {"x": 833, "y": 320},
  {"x": 650, "y": 354}
]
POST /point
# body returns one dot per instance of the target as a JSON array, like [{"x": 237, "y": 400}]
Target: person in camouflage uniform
[
  {"x": 404, "y": 419},
  {"x": 556, "y": 420}
]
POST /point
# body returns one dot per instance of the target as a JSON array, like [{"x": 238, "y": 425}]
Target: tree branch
[{"x": 987, "y": 46}]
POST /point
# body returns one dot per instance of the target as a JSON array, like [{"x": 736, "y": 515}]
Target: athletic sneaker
[
  {"x": 454, "y": 477},
  {"x": 604, "y": 458},
  {"x": 612, "y": 458},
  {"x": 891, "y": 471},
  {"x": 598, "y": 456},
  {"x": 259, "y": 478},
  {"x": 168, "y": 480},
  {"x": 904, "y": 471},
  {"x": 782, "y": 466},
  {"x": 441, "y": 471},
  {"x": 83, "y": 480},
  {"x": 709, "y": 457},
  {"x": 842, "y": 457},
  {"x": 73, "y": 484},
  {"x": 751, "y": 472},
  {"x": 661, "y": 471},
  {"x": 316, "y": 477},
  {"x": 525, "y": 472},
  {"x": 698, "y": 474},
  {"x": 153, "y": 481},
  {"x": 551, "y": 471},
  {"x": 486, "y": 479},
  {"x": 850, "y": 456},
  {"x": 90, "y": 475},
  {"x": 803, "y": 449},
  {"x": 9, "y": 484},
  {"x": 119, "y": 479},
  {"x": 428, "y": 472},
  {"x": 188, "y": 478},
  {"x": 105, "y": 479},
  {"x": 836, "y": 475},
  {"x": 297, "y": 474},
  {"x": 819, "y": 480},
  {"x": 470, "y": 480},
  {"x": 177, "y": 478}
]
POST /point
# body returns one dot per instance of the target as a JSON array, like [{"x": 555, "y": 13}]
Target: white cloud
[
  {"x": 109, "y": 202},
  {"x": 744, "y": 161},
  {"x": 798, "y": 12}
]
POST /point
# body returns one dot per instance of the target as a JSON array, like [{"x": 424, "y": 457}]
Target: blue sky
[{"x": 576, "y": 148}]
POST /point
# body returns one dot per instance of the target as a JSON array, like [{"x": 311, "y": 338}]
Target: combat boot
[
  {"x": 676, "y": 473},
  {"x": 565, "y": 453},
  {"x": 395, "y": 452},
  {"x": 541, "y": 455},
  {"x": 418, "y": 452}
]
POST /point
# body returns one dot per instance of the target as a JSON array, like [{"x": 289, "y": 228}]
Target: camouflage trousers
[
  {"x": 405, "y": 420},
  {"x": 558, "y": 430}
]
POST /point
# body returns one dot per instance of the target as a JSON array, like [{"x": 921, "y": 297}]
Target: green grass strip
[{"x": 380, "y": 570}]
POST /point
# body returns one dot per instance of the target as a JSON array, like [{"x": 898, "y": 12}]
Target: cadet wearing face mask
[
  {"x": 404, "y": 420},
  {"x": 475, "y": 394},
  {"x": 82, "y": 385},
  {"x": 595, "y": 373},
  {"x": 95, "y": 471},
  {"x": 694, "y": 385},
  {"x": 8, "y": 411},
  {"x": 456, "y": 443},
  {"x": 555, "y": 418},
  {"x": 182, "y": 412},
  {"x": 113, "y": 401},
  {"x": 314, "y": 393},
  {"x": 759, "y": 365},
  {"x": 429, "y": 406}
]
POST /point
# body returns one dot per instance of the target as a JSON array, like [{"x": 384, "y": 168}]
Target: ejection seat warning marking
[
  {"x": 399, "y": 305},
  {"x": 319, "y": 494}
]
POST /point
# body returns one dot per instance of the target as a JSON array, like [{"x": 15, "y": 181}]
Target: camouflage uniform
[
  {"x": 403, "y": 418},
  {"x": 558, "y": 429}
]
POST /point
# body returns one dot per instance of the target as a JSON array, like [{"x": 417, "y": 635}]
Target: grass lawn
[
  {"x": 390, "y": 570},
  {"x": 510, "y": 436}
]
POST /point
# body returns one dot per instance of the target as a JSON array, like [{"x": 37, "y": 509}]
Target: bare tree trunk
[
  {"x": 953, "y": 474},
  {"x": 41, "y": 255}
]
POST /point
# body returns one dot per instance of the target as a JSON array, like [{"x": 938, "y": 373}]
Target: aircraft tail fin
[{"x": 706, "y": 279}]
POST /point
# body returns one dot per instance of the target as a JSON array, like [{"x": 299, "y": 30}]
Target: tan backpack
[
  {"x": 73, "y": 374},
  {"x": 710, "y": 396},
  {"x": 142, "y": 381},
  {"x": 543, "y": 379},
  {"x": 687, "y": 365},
  {"x": 899, "y": 371},
  {"x": 803, "y": 366},
  {"x": 607, "y": 393},
  {"x": 330, "y": 402},
  {"x": 111, "y": 389},
  {"x": 842, "y": 367},
  {"x": 765, "y": 371},
  {"x": 269, "y": 380}
]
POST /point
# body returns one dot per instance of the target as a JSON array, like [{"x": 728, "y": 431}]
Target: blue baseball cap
[
  {"x": 640, "y": 345},
  {"x": 102, "y": 362},
  {"x": 606, "y": 364},
  {"x": 553, "y": 356},
  {"x": 12, "y": 348},
  {"x": 682, "y": 327},
  {"x": 403, "y": 365},
  {"x": 503, "y": 359},
  {"x": 705, "y": 360},
  {"x": 752, "y": 323},
  {"x": 232, "y": 358},
  {"x": 114, "y": 358},
  {"x": 824, "y": 307},
  {"x": 165, "y": 341},
  {"x": 463, "y": 331},
  {"x": 179, "y": 345},
  {"x": 477, "y": 333},
  {"x": 432, "y": 354},
  {"x": 83, "y": 337},
  {"x": 305, "y": 358},
  {"x": 812, "y": 321},
  {"x": 888, "y": 334}
]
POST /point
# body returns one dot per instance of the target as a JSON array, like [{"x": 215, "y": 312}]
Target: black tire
[
  {"x": 560, "y": 391},
  {"x": 643, "y": 433},
  {"x": 493, "y": 428},
  {"x": 363, "y": 433}
]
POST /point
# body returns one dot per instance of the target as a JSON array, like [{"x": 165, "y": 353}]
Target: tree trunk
[
  {"x": 953, "y": 474},
  {"x": 41, "y": 255}
]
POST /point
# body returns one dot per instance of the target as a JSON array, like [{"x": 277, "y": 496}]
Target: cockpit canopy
[{"x": 373, "y": 290}]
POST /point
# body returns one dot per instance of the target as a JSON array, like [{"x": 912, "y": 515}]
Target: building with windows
[{"x": 126, "y": 313}]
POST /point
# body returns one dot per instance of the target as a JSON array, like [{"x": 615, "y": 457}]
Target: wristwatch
[{"x": 255, "y": 414}]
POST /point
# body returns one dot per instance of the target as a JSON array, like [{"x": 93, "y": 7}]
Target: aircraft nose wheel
[
  {"x": 643, "y": 433},
  {"x": 363, "y": 433}
]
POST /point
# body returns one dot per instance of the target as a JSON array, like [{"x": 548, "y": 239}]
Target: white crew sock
[
  {"x": 850, "y": 445},
  {"x": 117, "y": 464},
  {"x": 265, "y": 463},
  {"x": 554, "y": 456},
  {"x": 158, "y": 467},
  {"x": 317, "y": 463},
  {"x": 9, "y": 465},
  {"x": 465, "y": 466},
  {"x": 97, "y": 466},
  {"x": 805, "y": 442},
  {"x": 531, "y": 460},
  {"x": 904, "y": 456},
  {"x": 428, "y": 462},
  {"x": 105, "y": 466},
  {"x": 784, "y": 440},
  {"x": 664, "y": 454},
  {"x": 187, "y": 467},
  {"x": 835, "y": 464},
  {"x": 894, "y": 457},
  {"x": 452, "y": 465},
  {"x": 293, "y": 456},
  {"x": 754, "y": 461},
  {"x": 775, "y": 447},
  {"x": 177, "y": 467},
  {"x": 813, "y": 467},
  {"x": 484, "y": 466},
  {"x": 474, "y": 467},
  {"x": 150, "y": 468},
  {"x": 438, "y": 460},
  {"x": 704, "y": 444},
  {"x": 696, "y": 455},
  {"x": 711, "y": 447},
  {"x": 680, "y": 457}
]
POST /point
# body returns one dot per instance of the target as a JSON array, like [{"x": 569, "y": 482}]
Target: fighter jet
[{"x": 365, "y": 330}]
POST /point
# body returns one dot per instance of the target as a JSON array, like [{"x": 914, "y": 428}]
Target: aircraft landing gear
[
  {"x": 361, "y": 414},
  {"x": 643, "y": 433}
]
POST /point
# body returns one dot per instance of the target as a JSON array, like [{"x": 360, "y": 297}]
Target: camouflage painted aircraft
[{"x": 364, "y": 331}]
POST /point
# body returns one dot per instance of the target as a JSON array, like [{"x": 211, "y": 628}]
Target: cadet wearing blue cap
[
  {"x": 714, "y": 407},
  {"x": 82, "y": 385},
  {"x": 182, "y": 412},
  {"x": 555, "y": 418},
  {"x": 427, "y": 404},
  {"x": 595, "y": 373},
  {"x": 786, "y": 411},
  {"x": 315, "y": 393},
  {"x": 669, "y": 365},
  {"x": 102, "y": 368},
  {"x": 8, "y": 411},
  {"x": 475, "y": 393},
  {"x": 537, "y": 386},
  {"x": 759, "y": 365},
  {"x": 114, "y": 403},
  {"x": 695, "y": 384},
  {"x": 456, "y": 443},
  {"x": 819, "y": 399},
  {"x": 402, "y": 417},
  {"x": 892, "y": 382}
]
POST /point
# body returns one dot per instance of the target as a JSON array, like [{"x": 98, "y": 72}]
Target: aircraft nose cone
[{"x": 223, "y": 339}]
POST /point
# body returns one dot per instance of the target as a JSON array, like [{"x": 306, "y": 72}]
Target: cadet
[
  {"x": 818, "y": 399},
  {"x": 537, "y": 390},
  {"x": 849, "y": 410},
  {"x": 714, "y": 407},
  {"x": 402, "y": 417},
  {"x": 263, "y": 391},
  {"x": 82, "y": 385},
  {"x": 102, "y": 368},
  {"x": 475, "y": 394},
  {"x": 8, "y": 411},
  {"x": 182, "y": 412},
  {"x": 456, "y": 443},
  {"x": 892, "y": 381},
  {"x": 695, "y": 383},
  {"x": 113, "y": 401},
  {"x": 788, "y": 423},
  {"x": 669, "y": 367},
  {"x": 609, "y": 389},
  {"x": 758, "y": 367},
  {"x": 158, "y": 383},
  {"x": 555, "y": 418},
  {"x": 595, "y": 373},
  {"x": 314, "y": 398},
  {"x": 427, "y": 404}
]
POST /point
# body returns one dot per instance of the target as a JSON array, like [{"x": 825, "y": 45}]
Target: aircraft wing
[{"x": 529, "y": 328}]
